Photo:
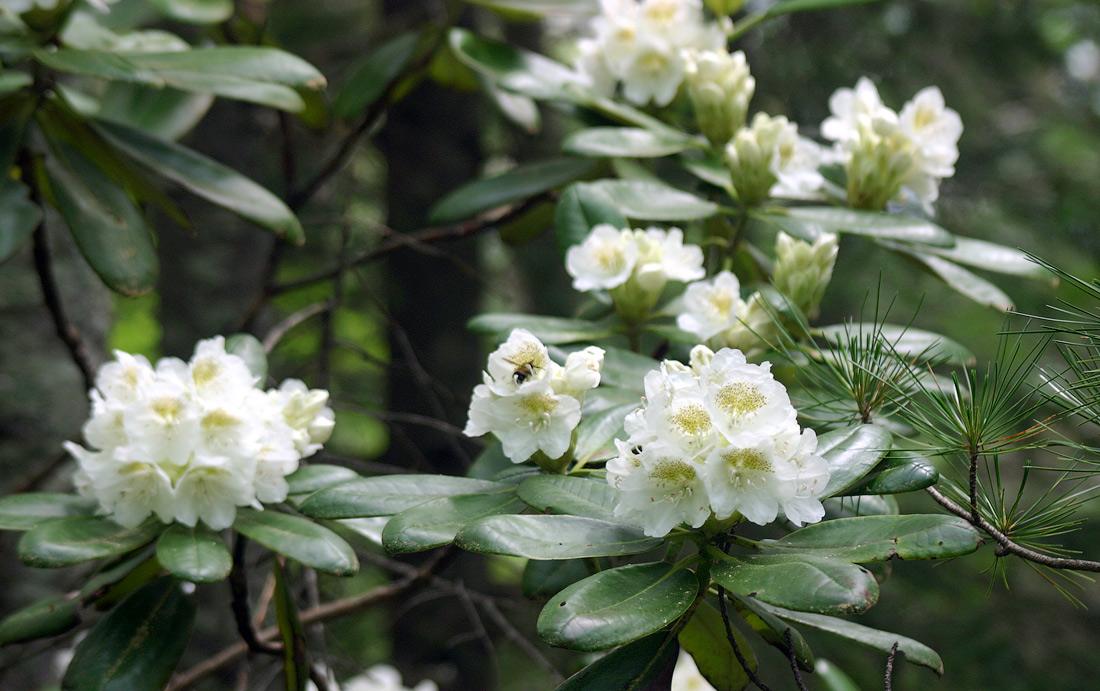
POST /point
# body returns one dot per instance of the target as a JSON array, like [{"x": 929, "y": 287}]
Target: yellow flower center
[{"x": 740, "y": 398}]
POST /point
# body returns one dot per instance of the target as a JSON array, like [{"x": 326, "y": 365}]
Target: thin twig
[
  {"x": 888, "y": 685},
  {"x": 793, "y": 657},
  {"x": 66, "y": 330},
  {"x": 519, "y": 639},
  {"x": 279, "y": 330},
  {"x": 398, "y": 417},
  {"x": 242, "y": 610},
  {"x": 1006, "y": 546},
  {"x": 733, "y": 642}
]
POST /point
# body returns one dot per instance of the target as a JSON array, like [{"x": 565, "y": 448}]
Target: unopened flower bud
[
  {"x": 802, "y": 270},
  {"x": 768, "y": 158},
  {"x": 720, "y": 88}
]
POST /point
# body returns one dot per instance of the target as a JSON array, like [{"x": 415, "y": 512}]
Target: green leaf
[
  {"x": 962, "y": 281},
  {"x": 107, "y": 227},
  {"x": 704, "y": 638},
  {"x": 549, "y": 330},
  {"x": 541, "y": 7},
  {"x": 12, "y": 81},
  {"x": 206, "y": 178},
  {"x": 541, "y": 579},
  {"x": 654, "y": 201},
  {"x": 195, "y": 11},
  {"x": 518, "y": 184},
  {"x": 832, "y": 677},
  {"x": 637, "y": 666},
  {"x": 596, "y": 432},
  {"x": 295, "y": 651},
  {"x": 43, "y": 619},
  {"x": 27, "y": 510},
  {"x": 248, "y": 348},
  {"x": 816, "y": 219},
  {"x": 568, "y": 494},
  {"x": 901, "y": 471},
  {"x": 789, "y": 6},
  {"x": 848, "y": 506},
  {"x": 137, "y": 645},
  {"x": 625, "y": 369},
  {"x": 580, "y": 209},
  {"x": 520, "y": 110},
  {"x": 803, "y": 582},
  {"x": 317, "y": 476},
  {"x": 194, "y": 554},
  {"x": 373, "y": 73},
  {"x": 709, "y": 169},
  {"x": 263, "y": 75},
  {"x": 991, "y": 257},
  {"x": 772, "y": 629},
  {"x": 518, "y": 70},
  {"x": 879, "y": 538},
  {"x": 625, "y": 142},
  {"x": 437, "y": 522},
  {"x": 161, "y": 112},
  {"x": 851, "y": 453},
  {"x": 386, "y": 495},
  {"x": 68, "y": 541},
  {"x": 915, "y": 652},
  {"x": 553, "y": 537},
  {"x": 617, "y": 606},
  {"x": 905, "y": 341},
  {"x": 300, "y": 539}
]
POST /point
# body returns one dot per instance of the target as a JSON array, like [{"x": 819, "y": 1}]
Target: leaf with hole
[{"x": 617, "y": 606}]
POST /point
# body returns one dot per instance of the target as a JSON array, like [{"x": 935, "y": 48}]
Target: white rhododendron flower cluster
[
  {"x": 769, "y": 159},
  {"x": 194, "y": 440},
  {"x": 716, "y": 438},
  {"x": 530, "y": 402},
  {"x": 883, "y": 150},
  {"x": 633, "y": 265},
  {"x": 641, "y": 44}
]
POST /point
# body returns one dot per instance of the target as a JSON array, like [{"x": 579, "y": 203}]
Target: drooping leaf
[
  {"x": 832, "y": 677},
  {"x": 208, "y": 179},
  {"x": 541, "y": 579},
  {"x": 518, "y": 109},
  {"x": 369, "y": 78},
  {"x": 709, "y": 169},
  {"x": 12, "y": 81},
  {"x": 520, "y": 183},
  {"x": 962, "y": 281},
  {"x": 879, "y": 538},
  {"x": 637, "y": 666},
  {"x": 580, "y": 209},
  {"x": 654, "y": 201},
  {"x": 195, "y": 11},
  {"x": 566, "y": 494},
  {"x": 386, "y": 495},
  {"x": 549, "y": 330},
  {"x": 901, "y": 471},
  {"x": 108, "y": 228},
  {"x": 518, "y": 70},
  {"x": 249, "y": 348},
  {"x": 617, "y": 606},
  {"x": 625, "y": 142},
  {"x": 883, "y": 641},
  {"x": 68, "y": 541},
  {"x": 160, "y": 112},
  {"x": 991, "y": 257},
  {"x": 437, "y": 522},
  {"x": 816, "y": 219},
  {"x": 137, "y": 645},
  {"x": 905, "y": 341},
  {"x": 317, "y": 476},
  {"x": 43, "y": 619},
  {"x": 195, "y": 554},
  {"x": 705, "y": 639},
  {"x": 27, "y": 510},
  {"x": 553, "y": 537},
  {"x": 789, "y": 6},
  {"x": 295, "y": 651},
  {"x": 258, "y": 74},
  {"x": 300, "y": 539},
  {"x": 801, "y": 582},
  {"x": 851, "y": 453},
  {"x": 773, "y": 629},
  {"x": 540, "y": 7},
  {"x": 19, "y": 217}
]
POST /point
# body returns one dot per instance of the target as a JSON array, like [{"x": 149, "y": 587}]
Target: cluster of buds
[
  {"x": 718, "y": 439},
  {"x": 194, "y": 440},
  {"x": 633, "y": 265},
  {"x": 641, "y": 43},
  {"x": 720, "y": 88},
  {"x": 770, "y": 159},
  {"x": 884, "y": 151},
  {"x": 803, "y": 270},
  {"x": 531, "y": 403}
]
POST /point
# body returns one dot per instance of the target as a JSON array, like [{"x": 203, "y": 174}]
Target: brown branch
[
  {"x": 242, "y": 610},
  {"x": 279, "y": 330},
  {"x": 66, "y": 330},
  {"x": 793, "y": 657},
  {"x": 1005, "y": 545},
  {"x": 733, "y": 642},
  {"x": 888, "y": 684}
]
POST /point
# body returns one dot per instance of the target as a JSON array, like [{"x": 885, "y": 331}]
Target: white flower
[
  {"x": 193, "y": 441},
  {"x": 714, "y": 439},
  {"x": 654, "y": 72},
  {"x": 686, "y": 675},
  {"x": 663, "y": 257},
  {"x": 847, "y": 107},
  {"x": 720, "y": 88},
  {"x": 935, "y": 129},
  {"x": 530, "y": 402},
  {"x": 769, "y": 158},
  {"x": 604, "y": 260},
  {"x": 711, "y": 306}
]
